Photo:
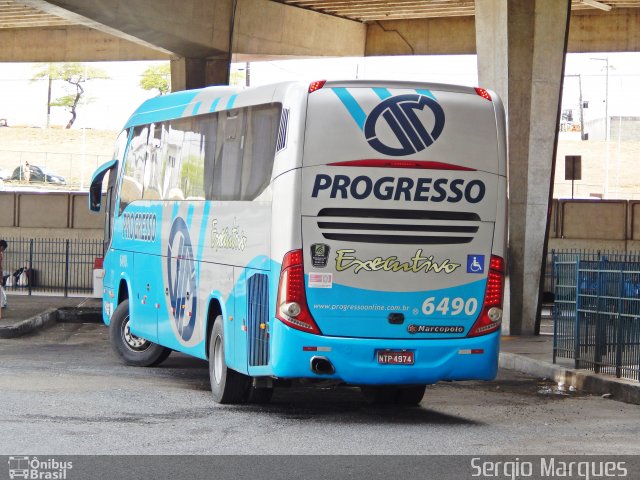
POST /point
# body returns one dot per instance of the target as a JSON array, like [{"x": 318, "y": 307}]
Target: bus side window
[
  {"x": 152, "y": 190},
  {"x": 208, "y": 128},
  {"x": 228, "y": 163},
  {"x": 259, "y": 151},
  {"x": 172, "y": 147},
  {"x": 183, "y": 159},
  {"x": 192, "y": 168},
  {"x": 133, "y": 174}
]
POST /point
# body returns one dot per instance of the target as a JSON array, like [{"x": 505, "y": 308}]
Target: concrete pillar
[
  {"x": 521, "y": 46},
  {"x": 189, "y": 73}
]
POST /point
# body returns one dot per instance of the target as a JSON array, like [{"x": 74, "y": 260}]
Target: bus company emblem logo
[
  {"x": 181, "y": 279},
  {"x": 320, "y": 254},
  {"x": 399, "y": 114}
]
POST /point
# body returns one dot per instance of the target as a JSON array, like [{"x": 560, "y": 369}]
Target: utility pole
[
  {"x": 606, "y": 96},
  {"x": 49, "y": 99}
]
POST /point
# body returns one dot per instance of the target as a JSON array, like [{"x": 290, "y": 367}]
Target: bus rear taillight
[
  {"x": 317, "y": 85},
  {"x": 292, "y": 306},
  {"x": 491, "y": 317},
  {"x": 483, "y": 93}
]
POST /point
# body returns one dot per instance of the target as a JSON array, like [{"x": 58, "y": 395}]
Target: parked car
[{"x": 38, "y": 174}]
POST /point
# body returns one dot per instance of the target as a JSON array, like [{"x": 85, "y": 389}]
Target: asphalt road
[{"x": 62, "y": 391}]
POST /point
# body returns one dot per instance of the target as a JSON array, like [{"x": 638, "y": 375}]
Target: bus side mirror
[{"x": 95, "y": 189}]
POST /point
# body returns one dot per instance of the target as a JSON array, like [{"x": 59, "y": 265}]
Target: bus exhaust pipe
[{"x": 322, "y": 366}]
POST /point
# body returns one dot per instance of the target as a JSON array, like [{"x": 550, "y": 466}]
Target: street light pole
[{"x": 606, "y": 96}]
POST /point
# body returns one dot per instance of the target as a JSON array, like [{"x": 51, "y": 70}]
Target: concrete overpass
[{"x": 521, "y": 45}]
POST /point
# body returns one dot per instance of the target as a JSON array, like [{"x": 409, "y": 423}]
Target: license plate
[{"x": 392, "y": 357}]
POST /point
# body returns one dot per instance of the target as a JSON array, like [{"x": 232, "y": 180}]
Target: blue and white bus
[{"x": 351, "y": 231}]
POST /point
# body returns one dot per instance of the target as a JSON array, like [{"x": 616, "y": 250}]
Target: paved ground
[
  {"x": 22, "y": 307},
  {"x": 62, "y": 391},
  {"x": 531, "y": 355}
]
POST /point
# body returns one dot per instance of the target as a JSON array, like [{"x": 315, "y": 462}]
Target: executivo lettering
[{"x": 346, "y": 259}]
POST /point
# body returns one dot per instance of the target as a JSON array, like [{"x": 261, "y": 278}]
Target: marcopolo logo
[
  {"x": 181, "y": 273},
  {"x": 398, "y": 117},
  {"x": 435, "y": 329}
]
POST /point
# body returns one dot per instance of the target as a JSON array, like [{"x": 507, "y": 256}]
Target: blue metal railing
[{"x": 596, "y": 312}]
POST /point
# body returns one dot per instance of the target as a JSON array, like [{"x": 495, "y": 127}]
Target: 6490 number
[{"x": 450, "y": 306}]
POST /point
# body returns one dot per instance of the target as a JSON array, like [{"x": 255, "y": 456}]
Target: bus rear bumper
[{"x": 355, "y": 360}]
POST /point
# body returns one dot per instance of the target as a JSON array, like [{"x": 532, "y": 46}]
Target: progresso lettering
[
  {"x": 139, "y": 226},
  {"x": 401, "y": 188}
]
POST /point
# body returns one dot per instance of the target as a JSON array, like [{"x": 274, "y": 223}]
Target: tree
[
  {"x": 74, "y": 74},
  {"x": 157, "y": 77}
]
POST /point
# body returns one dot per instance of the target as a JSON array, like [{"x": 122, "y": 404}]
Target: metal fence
[
  {"x": 596, "y": 312},
  {"x": 76, "y": 168},
  {"x": 50, "y": 265}
]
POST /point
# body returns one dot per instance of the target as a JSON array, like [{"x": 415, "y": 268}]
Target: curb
[
  {"x": 49, "y": 317},
  {"x": 79, "y": 315},
  {"x": 619, "y": 389},
  {"x": 41, "y": 320}
]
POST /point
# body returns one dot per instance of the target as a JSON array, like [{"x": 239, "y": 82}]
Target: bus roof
[{"x": 216, "y": 98}]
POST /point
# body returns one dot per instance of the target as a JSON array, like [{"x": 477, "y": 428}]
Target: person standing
[
  {"x": 27, "y": 172},
  {"x": 3, "y": 295}
]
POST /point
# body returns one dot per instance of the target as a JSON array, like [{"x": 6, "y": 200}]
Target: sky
[{"x": 23, "y": 101}]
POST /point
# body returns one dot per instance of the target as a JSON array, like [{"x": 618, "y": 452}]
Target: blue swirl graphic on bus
[
  {"x": 181, "y": 273},
  {"x": 400, "y": 115}
]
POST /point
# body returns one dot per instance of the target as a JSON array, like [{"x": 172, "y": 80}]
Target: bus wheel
[
  {"x": 379, "y": 395},
  {"x": 387, "y": 395},
  {"x": 260, "y": 395},
  {"x": 227, "y": 385},
  {"x": 133, "y": 350},
  {"x": 410, "y": 395}
]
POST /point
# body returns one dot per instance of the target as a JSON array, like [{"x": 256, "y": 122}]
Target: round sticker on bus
[{"x": 181, "y": 279}]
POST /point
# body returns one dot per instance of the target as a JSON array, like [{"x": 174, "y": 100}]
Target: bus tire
[
  {"x": 388, "y": 395},
  {"x": 227, "y": 385},
  {"x": 379, "y": 395},
  {"x": 410, "y": 395},
  {"x": 133, "y": 350},
  {"x": 259, "y": 395}
]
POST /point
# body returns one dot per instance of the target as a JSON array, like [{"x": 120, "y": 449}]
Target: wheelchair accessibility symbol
[{"x": 475, "y": 263}]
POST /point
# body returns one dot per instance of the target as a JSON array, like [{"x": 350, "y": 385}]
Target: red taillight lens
[
  {"x": 292, "y": 307},
  {"x": 379, "y": 163},
  {"x": 483, "y": 93},
  {"x": 491, "y": 317},
  {"x": 313, "y": 86}
]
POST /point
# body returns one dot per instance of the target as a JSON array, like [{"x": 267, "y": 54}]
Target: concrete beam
[
  {"x": 522, "y": 45},
  {"x": 590, "y": 31},
  {"x": 198, "y": 36},
  {"x": 615, "y": 31},
  {"x": 270, "y": 28},
  {"x": 189, "y": 73},
  {"x": 69, "y": 44},
  {"x": 124, "y": 30},
  {"x": 429, "y": 36},
  {"x": 202, "y": 28},
  {"x": 194, "y": 28}
]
